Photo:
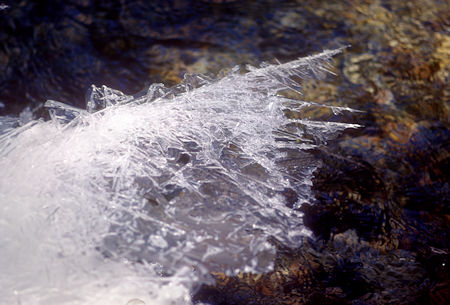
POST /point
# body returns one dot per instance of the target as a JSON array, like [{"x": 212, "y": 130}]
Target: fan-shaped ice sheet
[{"x": 190, "y": 176}]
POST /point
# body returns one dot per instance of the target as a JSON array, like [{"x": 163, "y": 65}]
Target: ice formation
[{"x": 141, "y": 196}]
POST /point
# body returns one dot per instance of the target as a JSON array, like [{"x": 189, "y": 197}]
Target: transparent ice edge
[{"x": 189, "y": 179}]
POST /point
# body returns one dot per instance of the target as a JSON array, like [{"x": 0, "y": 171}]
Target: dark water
[
  {"x": 381, "y": 215},
  {"x": 57, "y": 50}
]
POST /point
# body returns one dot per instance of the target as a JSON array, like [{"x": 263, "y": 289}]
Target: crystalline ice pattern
[{"x": 182, "y": 177}]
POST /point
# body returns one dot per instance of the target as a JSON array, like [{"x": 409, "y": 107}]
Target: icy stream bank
[{"x": 140, "y": 197}]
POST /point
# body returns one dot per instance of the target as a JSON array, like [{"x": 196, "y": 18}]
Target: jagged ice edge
[{"x": 263, "y": 83}]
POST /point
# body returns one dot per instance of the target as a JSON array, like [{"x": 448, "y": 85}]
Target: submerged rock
[{"x": 379, "y": 212}]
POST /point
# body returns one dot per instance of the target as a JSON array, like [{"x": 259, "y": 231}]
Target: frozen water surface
[{"x": 141, "y": 196}]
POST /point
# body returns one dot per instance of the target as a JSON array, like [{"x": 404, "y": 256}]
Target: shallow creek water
[{"x": 264, "y": 184}]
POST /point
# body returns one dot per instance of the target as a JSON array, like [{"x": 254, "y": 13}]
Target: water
[
  {"x": 142, "y": 196},
  {"x": 56, "y": 50}
]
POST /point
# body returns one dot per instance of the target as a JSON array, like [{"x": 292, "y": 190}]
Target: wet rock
[{"x": 343, "y": 270}]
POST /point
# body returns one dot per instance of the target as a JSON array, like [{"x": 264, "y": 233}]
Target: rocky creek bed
[{"x": 380, "y": 216}]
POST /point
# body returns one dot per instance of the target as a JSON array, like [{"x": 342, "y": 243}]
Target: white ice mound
[{"x": 190, "y": 177}]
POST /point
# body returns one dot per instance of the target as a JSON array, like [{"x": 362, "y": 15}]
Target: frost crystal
[{"x": 182, "y": 177}]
